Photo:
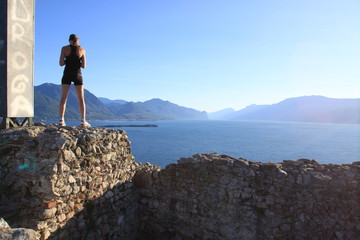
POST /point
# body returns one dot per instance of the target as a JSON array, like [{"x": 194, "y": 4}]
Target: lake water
[{"x": 254, "y": 141}]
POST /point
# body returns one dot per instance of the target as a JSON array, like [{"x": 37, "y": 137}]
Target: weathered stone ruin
[
  {"x": 68, "y": 182},
  {"x": 83, "y": 183},
  {"x": 220, "y": 197}
]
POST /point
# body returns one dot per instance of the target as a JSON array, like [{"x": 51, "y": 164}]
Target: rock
[
  {"x": 71, "y": 179},
  {"x": 143, "y": 179},
  {"x": 339, "y": 235},
  {"x": 18, "y": 234},
  {"x": 83, "y": 183},
  {"x": 227, "y": 200},
  {"x": 60, "y": 173},
  {"x": 49, "y": 213},
  {"x": 7, "y": 233},
  {"x": 306, "y": 179},
  {"x": 251, "y": 173},
  {"x": 285, "y": 227},
  {"x": 358, "y": 227},
  {"x": 45, "y": 234},
  {"x": 4, "y": 224}
]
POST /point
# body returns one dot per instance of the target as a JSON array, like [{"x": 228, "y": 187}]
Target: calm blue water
[{"x": 254, "y": 141}]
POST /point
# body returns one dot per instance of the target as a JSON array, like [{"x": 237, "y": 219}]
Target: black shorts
[{"x": 75, "y": 78}]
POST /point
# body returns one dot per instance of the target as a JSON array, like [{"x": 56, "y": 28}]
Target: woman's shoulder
[
  {"x": 82, "y": 50},
  {"x": 67, "y": 47}
]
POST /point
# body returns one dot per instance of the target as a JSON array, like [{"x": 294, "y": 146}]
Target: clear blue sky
[{"x": 205, "y": 54}]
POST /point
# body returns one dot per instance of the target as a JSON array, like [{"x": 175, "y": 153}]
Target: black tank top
[{"x": 73, "y": 62}]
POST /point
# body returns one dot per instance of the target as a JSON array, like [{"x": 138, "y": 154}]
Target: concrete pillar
[{"x": 16, "y": 59}]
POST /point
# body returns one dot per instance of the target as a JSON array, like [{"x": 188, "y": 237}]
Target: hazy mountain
[
  {"x": 299, "y": 109},
  {"x": 222, "y": 114},
  {"x": 303, "y": 109},
  {"x": 109, "y": 101},
  {"x": 156, "y": 109},
  {"x": 47, "y": 97}
]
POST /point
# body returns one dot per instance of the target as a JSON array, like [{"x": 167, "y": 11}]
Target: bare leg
[
  {"x": 64, "y": 95},
  {"x": 80, "y": 95}
]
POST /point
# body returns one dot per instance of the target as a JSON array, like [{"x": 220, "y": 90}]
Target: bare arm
[
  {"x": 83, "y": 60},
  {"x": 62, "y": 57}
]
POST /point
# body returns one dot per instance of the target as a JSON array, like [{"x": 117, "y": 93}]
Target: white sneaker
[
  {"x": 85, "y": 124},
  {"x": 62, "y": 123}
]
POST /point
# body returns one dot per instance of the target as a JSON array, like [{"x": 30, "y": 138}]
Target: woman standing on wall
[{"x": 73, "y": 57}]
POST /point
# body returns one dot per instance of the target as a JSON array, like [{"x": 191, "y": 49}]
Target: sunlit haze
[{"x": 205, "y": 54}]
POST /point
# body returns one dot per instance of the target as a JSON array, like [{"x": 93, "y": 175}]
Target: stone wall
[
  {"x": 83, "y": 183},
  {"x": 220, "y": 197},
  {"x": 68, "y": 182}
]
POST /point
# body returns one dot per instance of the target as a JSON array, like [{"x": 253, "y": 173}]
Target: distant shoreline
[{"x": 133, "y": 125}]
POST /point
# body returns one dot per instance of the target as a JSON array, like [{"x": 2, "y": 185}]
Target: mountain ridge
[
  {"x": 296, "y": 109},
  {"x": 302, "y": 109},
  {"x": 47, "y": 97}
]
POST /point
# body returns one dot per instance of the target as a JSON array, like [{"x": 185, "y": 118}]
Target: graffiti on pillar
[
  {"x": 20, "y": 58},
  {"x": 3, "y": 77}
]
